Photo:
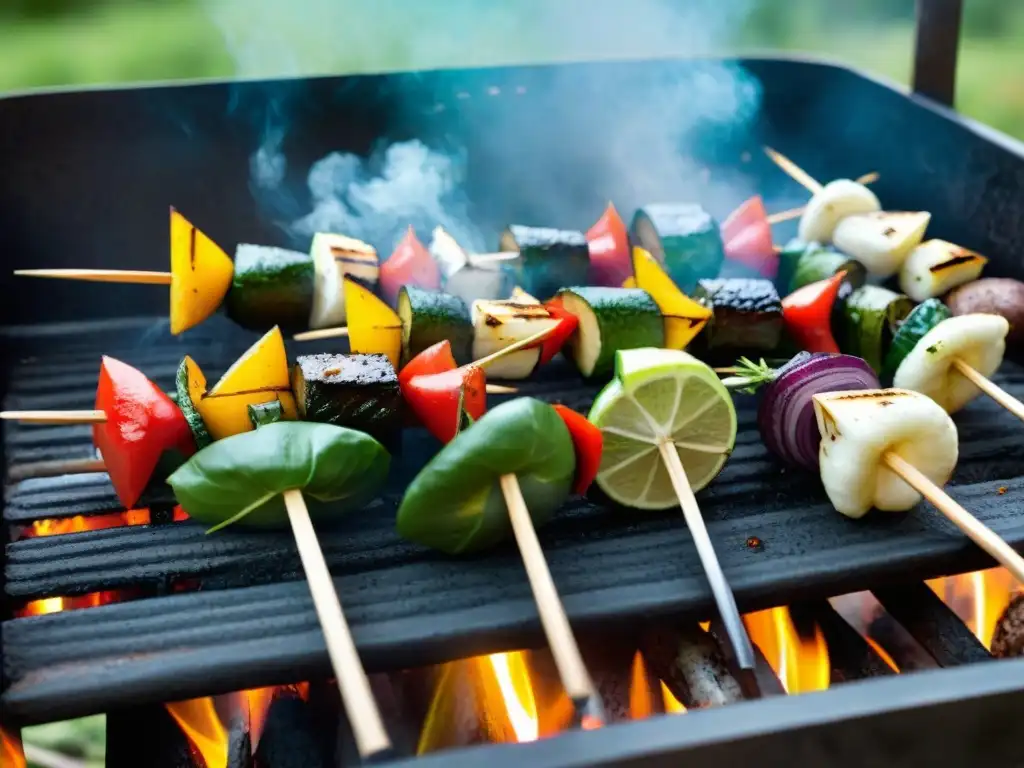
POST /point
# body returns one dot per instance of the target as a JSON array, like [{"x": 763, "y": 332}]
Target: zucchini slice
[
  {"x": 937, "y": 267},
  {"x": 747, "y": 314},
  {"x": 871, "y": 317},
  {"x": 610, "y": 319},
  {"x": 189, "y": 387},
  {"x": 261, "y": 414},
  {"x": 355, "y": 391},
  {"x": 498, "y": 324},
  {"x": 335, "y": 256},
  {"x": 271, "y": 286},
  {"x": 684, "y": 238},
  {"x": 882, "y": 240},
  {"x": 549, "y": 259},
  {"x": 921, "y": 319},
  {"x": 817, "y": 262},
  {"x": 432, "y": 316}
]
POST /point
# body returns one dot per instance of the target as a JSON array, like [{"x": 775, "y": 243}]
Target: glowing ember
[
  {"x": 802, "y": 664},
  {"x": 57, "y": 604},
  {"x": 80, "y": 523},
  {"x": 198, "y": 719},
  {"x": 11, "y": 753},
  {"x": 882, "y": 653},
  {"x": 513, "y": 678},
  {"x": 641, "y": 703},
  {"x": 978, "y": 598}
]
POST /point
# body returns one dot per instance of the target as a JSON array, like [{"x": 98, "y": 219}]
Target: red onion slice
[{"x": 786, "y": 414}]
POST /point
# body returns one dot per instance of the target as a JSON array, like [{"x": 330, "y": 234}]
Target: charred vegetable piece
[
  {"x": 684, "y": 317},
  {"x": 499, "y": 324},
  {"x": 271, "y": 286},
  {"x": 455, "y": 503},
  {"x": 608, "y": 242},
  {"x": 374, "y": 328},
  {"x": 747, "y": 314},
  {"x": 549, "y": 259},
  {"x": 190, "y": 384},
  {"x": 881, "y": 240},
  {"x": 684, "y": 238},
  {"x": 935, "y": 267},
  {"x": 356, "y": 391},
  {"x": 335, "y": 256},
  {"x": 871, "y": 316},
  {"x": 610, "y": 319},
  {"x": 142, "y": 426},
  {"x": 431, "y": 316},
  {"x": 240, "y": 480},
  {"x": 921, "y": 319},
  {"x": 258, "y": 376},
  {"x": 410, "y": 264},
  {"x": 816, "y": 263},
  {"x": 200, "y": 274},
  {"x": 262, "y": 414}
]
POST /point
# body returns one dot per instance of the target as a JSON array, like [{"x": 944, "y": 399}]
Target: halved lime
[{"x": 659, "y": 396}]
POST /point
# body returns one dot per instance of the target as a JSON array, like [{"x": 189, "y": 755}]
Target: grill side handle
[{"x": 936, "y": 47}]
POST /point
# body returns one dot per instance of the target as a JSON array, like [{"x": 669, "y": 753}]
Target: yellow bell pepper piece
[
  {"x": 684, "y": 317},
  {"x": 200, "y": 274},
  {"x": 373, "y": 326},
  {"x": 258, "y": 376},
  {"x": 629, "y": 282}
]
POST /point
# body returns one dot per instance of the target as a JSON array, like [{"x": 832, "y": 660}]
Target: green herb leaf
[
  {"x": 750, "y": 376},
  {"x": 455, "y": 504},
  {"x": 240, "y": 479}
]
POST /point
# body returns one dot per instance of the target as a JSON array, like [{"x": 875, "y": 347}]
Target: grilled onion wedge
[
  {"x": 831, "y": 204},
  {"x": 881, "y": 240},
  {"x": 937, "y": 267}
]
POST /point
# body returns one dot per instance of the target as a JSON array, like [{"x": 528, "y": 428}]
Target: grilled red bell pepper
[
  {"x": 567, "y": 323},
  {"x": 410, "y": 264},
  {"x": 433, "y": 386},
  {"x": 588, "y": 442},
  {"x": 807, "y": 313},
  {"x": 610, "y": 261},
  {"x": 142, "y": 423},
  {"x": 747, "y": 238}
]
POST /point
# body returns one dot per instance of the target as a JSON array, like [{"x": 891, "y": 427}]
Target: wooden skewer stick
[
  {"x": 101, "y": 275},
  {"x": 529, "y": 341},
  {"x": 367, "y": 727},
  {"x": 322, "y": 333},
  {"x": 724, "y": 598},
  {"x": 796, "y": 213},
  {"x": 55, "y": 417},
  {"x": 977, "y": 531},
  {"x": 568, "y": 659},
  {"x": 798, "y": 174},
  {"x": 990, "y": 388}
]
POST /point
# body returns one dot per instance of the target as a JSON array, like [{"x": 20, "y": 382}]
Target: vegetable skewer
[
  {"x": 796, "y": 213},
  {"x": 930, "y": 361}
]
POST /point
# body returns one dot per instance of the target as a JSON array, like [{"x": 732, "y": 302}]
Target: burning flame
[
  {"x": 198, "y": 719},
  {"x": 672, "y": 704},
  {"x": 978, "y": 598},
  {"x": 79, "y": 523},
  {"x": 802, "y": 664},
  {"x": 641, "y": 702},
  {"x": 57, "y": 604},
  {"x": 513, "y": 679},
  {"x": 11, "y": 751}
]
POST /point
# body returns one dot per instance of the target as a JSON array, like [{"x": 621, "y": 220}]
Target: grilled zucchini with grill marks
[
  {"x": 936, "y": 267},
  {"x": 684, "y": 238},
  {"x": 871, "y": 317},
  {"x": 610, "y": 319},
  {"x": 355, "y": 391},
  {"x": 747, "y": 314},
  {"x": 549, "y": 259},
  {"x": 432, "y": 316},
  {"x": 271, "y": 286}
]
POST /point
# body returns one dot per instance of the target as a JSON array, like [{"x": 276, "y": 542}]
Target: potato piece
[{"x": 993, "y": 296}]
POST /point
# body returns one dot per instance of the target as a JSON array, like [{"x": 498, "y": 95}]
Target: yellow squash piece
[
  {"x": 200, "y": 274},
  {"x": 629, "y": 282},
  {"x": 684, "y": 317},
  {"x": 373, "y": 326},
  {"x": 258, "y": 376}
]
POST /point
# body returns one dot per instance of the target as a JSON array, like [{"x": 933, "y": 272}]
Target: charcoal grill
[{"x": 88, "y": 177}]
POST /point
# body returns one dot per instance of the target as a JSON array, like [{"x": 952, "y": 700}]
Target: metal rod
[{"x": 936, "y": 47}]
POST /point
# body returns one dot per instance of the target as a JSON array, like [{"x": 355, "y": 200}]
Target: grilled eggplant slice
[
  {"x": 684, "y": 238},
  {"x": 432, "y": 316},
  {"x": 355, "y": 391},
  {"x": 936, "y": 267},
  {"x": 549, "y": 259},
  {"x": 747, "y": 314},
  {"x": 610, "y": 319},
  {"x": 271, "y": 286},
  {"x": 499, "y": 324},
  {"x": 335, "y": 256}
]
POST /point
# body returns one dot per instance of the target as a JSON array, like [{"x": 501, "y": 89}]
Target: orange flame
[
  {"x": 198, "y": 719},
  {"x": 513, "y": 678},
  {"x": 11, "y": 751},
  {"x": 672, "y": 704},
  {"x": 57, "y": 604},
  {"x": 641, "y": 703},
  {"x": 79, "y": 523},
  {"x": 882, "y": 653},
  {"x": 256, "y": 704},
  {"x": 978, "y": 598},
  {"x": 801, "y": 664}
]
